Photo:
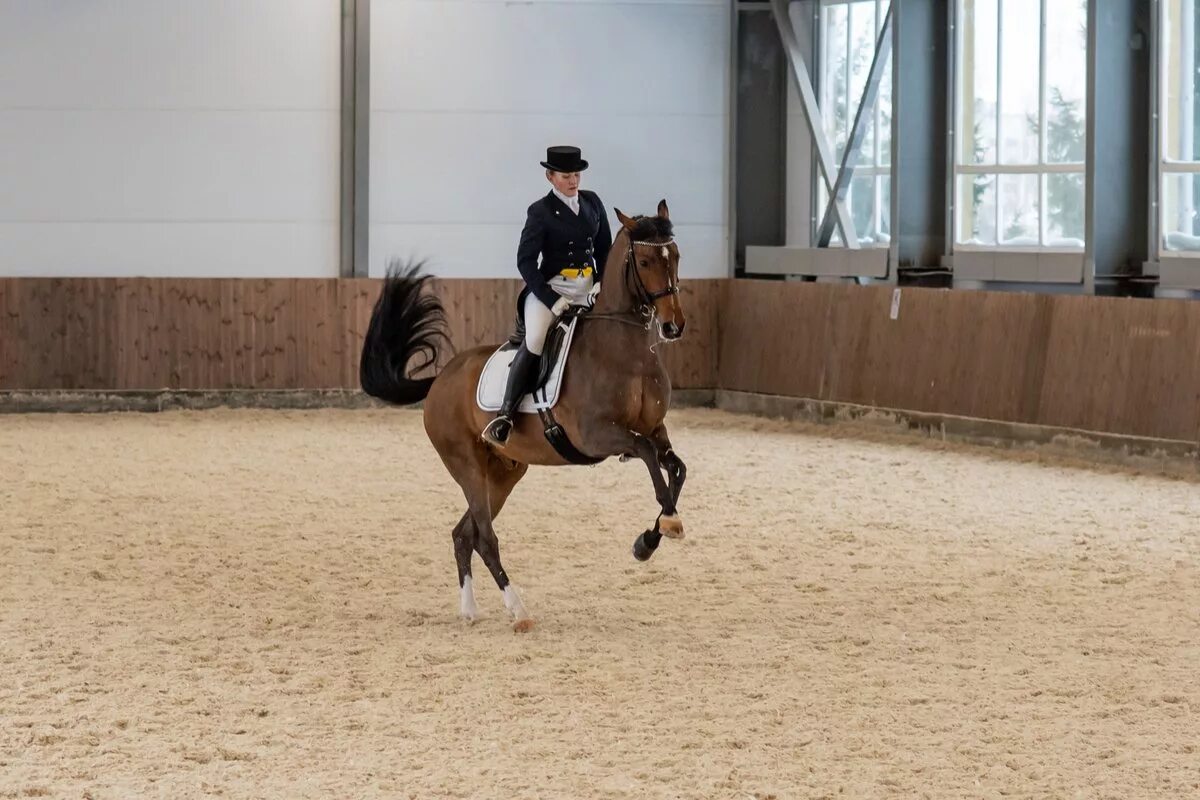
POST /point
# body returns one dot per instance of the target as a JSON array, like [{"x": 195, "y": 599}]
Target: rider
[{"x": 569, "y": 229}]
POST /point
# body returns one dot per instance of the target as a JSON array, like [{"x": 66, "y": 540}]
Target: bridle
[{"x": 646, "y": 298}]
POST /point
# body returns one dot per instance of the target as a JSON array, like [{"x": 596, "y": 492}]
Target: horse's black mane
[{"x": 652, "y": 228}]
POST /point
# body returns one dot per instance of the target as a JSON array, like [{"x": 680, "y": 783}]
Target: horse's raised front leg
[
  {"x": 605, "y": 437},
  {"x": 668, "y": 523},
  {"x": 662, "y": 458},
  {"x": 670, "y": 461}
]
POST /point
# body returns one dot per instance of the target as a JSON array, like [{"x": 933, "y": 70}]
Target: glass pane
[
  {"x": 862, "y": 51},
  {"x": 1181, "y": 198},
  {"x": 1019, "y": 210},
  {"x": 1064, "y": 209},
  {"x": 1020, "y": 48},
  {"x": 885, "y": 209},
  {"x": 835, "y": 83},
  {"x": 862, "y": 207},
  {"x": 976, "y": 209},
  {"x": 1179, "y": 120},
  {"x": 977, "y": 105},
  {"x": 1066, "y": 80}
]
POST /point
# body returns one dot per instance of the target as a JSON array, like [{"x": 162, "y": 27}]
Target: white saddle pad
[{"x": 490, "y": 392}]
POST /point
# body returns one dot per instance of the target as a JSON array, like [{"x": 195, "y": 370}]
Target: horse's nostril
[{"x": 672, "y": 330}]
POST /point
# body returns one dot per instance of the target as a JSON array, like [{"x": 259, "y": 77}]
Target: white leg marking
[
  {"x": 466, "y": 601},
  {"x": 512, "y": 601}
]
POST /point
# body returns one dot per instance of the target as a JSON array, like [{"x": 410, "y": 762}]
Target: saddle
[
  {"x": 551, "y": 350},
  {"x": 489, "y": 394}
]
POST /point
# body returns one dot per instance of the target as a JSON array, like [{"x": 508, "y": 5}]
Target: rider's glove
[{"x": 592, "y": 295}]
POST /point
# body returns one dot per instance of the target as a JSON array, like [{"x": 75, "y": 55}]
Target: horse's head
[{"x": 652, "y": 268}]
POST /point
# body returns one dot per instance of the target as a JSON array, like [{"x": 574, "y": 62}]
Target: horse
[{"x": 613, "y": 400}]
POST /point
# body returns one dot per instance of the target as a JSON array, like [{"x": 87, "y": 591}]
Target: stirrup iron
[{"x": 498, "y": 430}]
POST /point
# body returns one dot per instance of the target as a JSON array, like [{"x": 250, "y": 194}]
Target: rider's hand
[
  {"x": 593, "y": 294},
  {"x": 560, "y": 306}
]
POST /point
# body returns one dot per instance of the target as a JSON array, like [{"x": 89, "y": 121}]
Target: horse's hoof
[
  {"x": 642, "y": 548},
  {"x": 523, "y": 625},
  {"x": 671, "y": 526}
]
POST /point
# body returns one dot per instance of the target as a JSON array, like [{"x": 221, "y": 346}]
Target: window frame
[
  {"x": 1042, "y": 168},
  {"x": 876, "y": 170},
  {"x": 1162, "y": 165}
]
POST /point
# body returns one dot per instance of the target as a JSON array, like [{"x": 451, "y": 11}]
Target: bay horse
[{"x": 613, "y": 400}]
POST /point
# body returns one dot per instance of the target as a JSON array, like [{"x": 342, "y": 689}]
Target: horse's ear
[
  {"x": 624, "y": 220},
  {"x": 663, "y": 211}
]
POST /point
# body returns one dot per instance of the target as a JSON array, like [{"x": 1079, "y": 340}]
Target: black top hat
[{"x": 564, "y": 158}]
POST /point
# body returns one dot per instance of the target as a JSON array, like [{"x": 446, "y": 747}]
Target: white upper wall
[
  {"x": 169, "y": 137},
  {"x": 201, "y": 137},
  {"x": 467, "y": 94}
]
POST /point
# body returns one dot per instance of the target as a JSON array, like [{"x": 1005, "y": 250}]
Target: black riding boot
[{"x": 520, "y": 376}]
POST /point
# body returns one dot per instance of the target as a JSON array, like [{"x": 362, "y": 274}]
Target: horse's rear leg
[
  {"x": 486, "y": 481},
  {"x": 502, "y": 477},
  {"x": 468, "y": 465},
  {"x": 464, "y": 542}
]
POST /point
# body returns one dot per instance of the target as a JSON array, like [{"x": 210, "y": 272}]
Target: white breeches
[{"x": 538, "y": 318}]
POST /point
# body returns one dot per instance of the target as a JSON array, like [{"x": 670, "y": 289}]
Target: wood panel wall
[
  {"x": 151, "y": 333},
  {"x": 1109, "y": 365}
]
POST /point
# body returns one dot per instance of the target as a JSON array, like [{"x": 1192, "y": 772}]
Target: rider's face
[{"x": 565, "y": 182}]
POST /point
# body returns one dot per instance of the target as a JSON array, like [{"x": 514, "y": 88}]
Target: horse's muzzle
[{"x": 671, "y": 331}]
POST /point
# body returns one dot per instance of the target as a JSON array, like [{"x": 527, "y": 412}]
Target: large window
[
  {"x": 1179, "y": 129},
  {"x": 1021, "y": 107},
  {"x": 849, "y": 30}
]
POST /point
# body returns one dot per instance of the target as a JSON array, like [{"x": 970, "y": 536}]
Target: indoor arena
[{"x": 588, "y": 399}]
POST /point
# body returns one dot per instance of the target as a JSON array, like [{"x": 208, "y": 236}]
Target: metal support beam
[
  {"x": 922, "y": 153},
  {"x": 1153, "y": 148},
  {"x": 355, "y": 136},
  {"x": 812, "y": 116},
  {"x": 1119, "y": 148},
  {"x": 731, "y": 104},
  {"x": 862, "y": 119}
]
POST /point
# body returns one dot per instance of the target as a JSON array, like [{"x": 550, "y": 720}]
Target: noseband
[{"x": 647, "y": 297}]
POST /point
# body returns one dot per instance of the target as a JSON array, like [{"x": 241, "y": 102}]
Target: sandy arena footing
[{"x": 248, "y": 603}]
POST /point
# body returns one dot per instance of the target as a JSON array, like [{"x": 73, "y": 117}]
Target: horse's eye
[{"x": 643, "y": 263}]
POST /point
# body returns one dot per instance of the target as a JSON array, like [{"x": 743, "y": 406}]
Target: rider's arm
[{"x": 532, "y": 239}]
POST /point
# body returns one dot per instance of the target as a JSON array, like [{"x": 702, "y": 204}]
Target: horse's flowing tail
[{"x": 406, "y": 322}]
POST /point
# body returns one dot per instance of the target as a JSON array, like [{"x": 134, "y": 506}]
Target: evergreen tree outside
[
  {"x": 980, "y": 183},
  {"x": 1064, "y": 144}
]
